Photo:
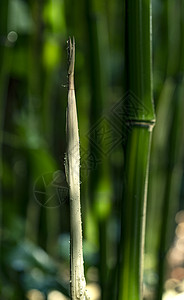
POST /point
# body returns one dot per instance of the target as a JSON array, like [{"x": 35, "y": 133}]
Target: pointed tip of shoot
[{"x": 71, "y": 55}]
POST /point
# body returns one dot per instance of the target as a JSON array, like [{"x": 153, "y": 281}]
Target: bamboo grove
[{"x": 95, "y": 208}]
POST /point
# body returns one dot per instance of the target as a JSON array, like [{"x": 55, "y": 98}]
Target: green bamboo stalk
[
  {"x": 78, "y": 283},
  {"x": 160, "y": 53},
  {"x": 173, "y": 176},
  {"x": 169, "y": 145},
  {"x": 3, "y": 76},
  {"x": 5, "y": 63},
  {"x": 137, "y": 149},
  {"x": 35, "y": 81},
  {"x": 99, "y": 181},
  {"x": 174, "y": 145},
  {"x": 4, "y": 69},
  {"x": 158, "y": 175}
]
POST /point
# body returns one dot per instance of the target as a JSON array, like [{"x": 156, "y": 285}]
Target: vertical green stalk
[
  {"x": 35, "y": 80},
  {"x": 4, "y": 69},
  {"x": 157, "y": 184},
  {"x": 174, "y": 144},
  {"x": 173, "y": 176},
  {"x": 99, "y": 183},
  {"x": 140, "y": 119},
  {"x": 161, "y": 53}
]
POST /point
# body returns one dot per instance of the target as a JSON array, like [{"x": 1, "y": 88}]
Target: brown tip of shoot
[{"x": 71, "y": 55}]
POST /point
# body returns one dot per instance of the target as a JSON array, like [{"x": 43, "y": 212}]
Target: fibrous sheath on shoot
[{"x": 72, "y": 166}]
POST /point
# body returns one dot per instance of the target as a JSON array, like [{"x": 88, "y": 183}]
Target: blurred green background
[{"x": 34, "y": 209}]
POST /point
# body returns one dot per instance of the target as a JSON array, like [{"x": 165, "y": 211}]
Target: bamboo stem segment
[
  {"x": 72, "y": 166},
  {"x": 140, "y": 114}
]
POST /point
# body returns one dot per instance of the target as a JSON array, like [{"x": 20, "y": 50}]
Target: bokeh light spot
[
  {"x": 35, "y": 295},
  {"x": 12, "y": 36}
]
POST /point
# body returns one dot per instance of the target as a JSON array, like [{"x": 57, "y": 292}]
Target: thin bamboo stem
[
  {"x": 173, "y": 155},
  {"x": 174, "y": 159},
  {"x": 78, "y": 283},
  {"x": 99, "y": 181}
]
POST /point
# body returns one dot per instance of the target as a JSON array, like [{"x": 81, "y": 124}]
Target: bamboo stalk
[
  {"x": 78, "y": 283},
  {"x": 99, "y": 181},
  {"x": 141, "y": 117},
  {"x": 158, "y": 173},
  {"x": 173, "y": 176},
  {"x": 5, "y": 63},
  {"x": 171, "y": 151}
]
